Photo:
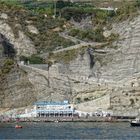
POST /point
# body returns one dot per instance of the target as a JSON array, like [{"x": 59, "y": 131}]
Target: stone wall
[{"x": 92, "y": 106}]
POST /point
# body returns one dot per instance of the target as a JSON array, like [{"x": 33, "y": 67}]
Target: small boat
[
  {"x": 56, "y": 121},
  {"x": 135, "y": 122},
  {"x": 18, "y": 126}
]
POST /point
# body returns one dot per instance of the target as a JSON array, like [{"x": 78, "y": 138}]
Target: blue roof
[{"x": 51, "y": 103}]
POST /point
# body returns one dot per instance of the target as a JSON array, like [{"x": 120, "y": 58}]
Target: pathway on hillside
[
  {"x": 73, "y": 39},
  {"x": 79, "y": 46}
]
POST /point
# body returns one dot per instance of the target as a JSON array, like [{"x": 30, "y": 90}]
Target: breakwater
[{"x": 69, "y": 119}]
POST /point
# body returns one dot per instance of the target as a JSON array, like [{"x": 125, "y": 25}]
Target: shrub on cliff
[
  {"x": 88, "y": 35},
  {"x": 7, "y": 67},
  {"x": 34, "y": 59},
  {"x": 127, "y": 10},
  {"x": 138, "y": 3}
]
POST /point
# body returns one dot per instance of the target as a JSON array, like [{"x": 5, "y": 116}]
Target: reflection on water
[{"x": 76, "y": 130}]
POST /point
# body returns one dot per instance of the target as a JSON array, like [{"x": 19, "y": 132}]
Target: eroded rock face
[
  {"x": 23, "y": 45},
  {"x": 85, "y": 85},
  {"x": 33, "y": 29},
  {"x": 7, "y": 49},
  {"x": 91, "y": 77},
  {"x": 4, "y": 16},
  {"x": 126, "y": 96},
  {"x": 116, "y": 72},
  {"x": 15, "y": 89}
]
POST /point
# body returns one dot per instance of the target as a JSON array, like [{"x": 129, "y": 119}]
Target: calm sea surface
[{"x": 66, "y": 130}]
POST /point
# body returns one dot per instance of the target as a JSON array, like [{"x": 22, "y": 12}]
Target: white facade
[
  {"x": 49, "y": 109},
  {"x": 53, "y": 109}
]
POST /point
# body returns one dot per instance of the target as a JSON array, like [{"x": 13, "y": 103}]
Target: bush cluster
[
  {"x": 127, "y": 10},
  {"x": 34, "y": 59},
  {"x": 88, "y": 35},
  {"x": 7, "y": 67}
]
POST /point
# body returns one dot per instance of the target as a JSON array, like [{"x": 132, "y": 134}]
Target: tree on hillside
[
  {"x": 60, "y": 4},
  {"x": 138, "y": 3}
]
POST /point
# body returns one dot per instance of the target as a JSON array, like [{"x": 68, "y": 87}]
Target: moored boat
[
  {"x": 56, "y": 121},
  {"x": 135, "y": 122},
  {"x": 18, "y": 126}
]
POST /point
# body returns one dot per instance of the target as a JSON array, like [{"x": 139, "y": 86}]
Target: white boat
[
  {"x": 135, "y": 122},
  {"x": 56, "y": 121}
]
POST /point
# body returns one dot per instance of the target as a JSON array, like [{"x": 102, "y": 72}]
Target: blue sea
[{"x": 70, "y": 130}]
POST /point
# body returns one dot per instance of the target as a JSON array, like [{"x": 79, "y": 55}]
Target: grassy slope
[{"x": 47, "y": 39}]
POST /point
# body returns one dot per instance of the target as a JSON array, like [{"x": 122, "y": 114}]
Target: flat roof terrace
[{"x": 51, "y": 103}]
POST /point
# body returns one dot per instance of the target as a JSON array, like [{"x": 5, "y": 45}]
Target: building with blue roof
[{"x": 53, "y": 109}]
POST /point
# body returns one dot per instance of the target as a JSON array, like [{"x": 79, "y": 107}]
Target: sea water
[{"x": 70, "y": 130}]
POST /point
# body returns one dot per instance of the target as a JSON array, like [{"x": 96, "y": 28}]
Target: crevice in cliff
[
  {"x": 91, "y": 56},
  {"x": 7, "y": 47}
]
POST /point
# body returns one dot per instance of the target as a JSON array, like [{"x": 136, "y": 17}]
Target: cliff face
[
  {"x": 22, "y": 43},
  {"x": 15, "y": 87},
  {"x": 107, "y": 78},
  {"x": 16, "y": 90},
  {"x": 95, "y": 74}
]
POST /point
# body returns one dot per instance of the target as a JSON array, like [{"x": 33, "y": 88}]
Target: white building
[
  {"x": 49, "y": 109},
  {"x": 53, "y": 109}
]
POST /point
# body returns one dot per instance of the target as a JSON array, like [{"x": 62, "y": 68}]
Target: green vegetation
[
  {"x": 78, "y": 100},
  {"x": 47, "y": 39},
  {"x": 86, "y": 99},
  {"x": 95, "y": 35},
  {"x": 33, "y": 11},
  {"x": 14, "y": 3},
  {"x": 132, "y": 102},
  {"x": 88, "y": 35},
  {"x": 138, "y": 3},
  {"x": 127, "y": 10},
  {"x": 45, "y": 7},
  {"x": 64, "y": 57},
  {"x": 113, "y": 37},
  {"x": 7, "y": 67},
  {"x": 67, "y": 56},
  {"x": 34, "y": 59}
]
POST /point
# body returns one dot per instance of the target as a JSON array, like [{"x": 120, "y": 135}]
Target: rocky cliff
[
  {"x": 15, "y": 88},
  {"x": 96, "y": 73},
  {"x": 91, "y": 76},
  {"x": 22, "y": 44}
]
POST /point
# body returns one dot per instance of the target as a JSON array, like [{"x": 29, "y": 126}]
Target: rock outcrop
[
  {"x": 15, "y": 88},
  {"x": 108, "y": 77},
  {"x": 22, "y": 43},
  {"x": 114, "y": 72}
]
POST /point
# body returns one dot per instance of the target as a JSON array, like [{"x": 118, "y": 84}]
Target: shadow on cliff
[{"x": 7, "y": 49}]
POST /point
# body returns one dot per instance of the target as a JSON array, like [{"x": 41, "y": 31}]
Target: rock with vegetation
[{"x": 91, "y": 76}]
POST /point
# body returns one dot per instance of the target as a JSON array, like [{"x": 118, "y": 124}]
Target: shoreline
[{"x": 60, "y": 120}]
